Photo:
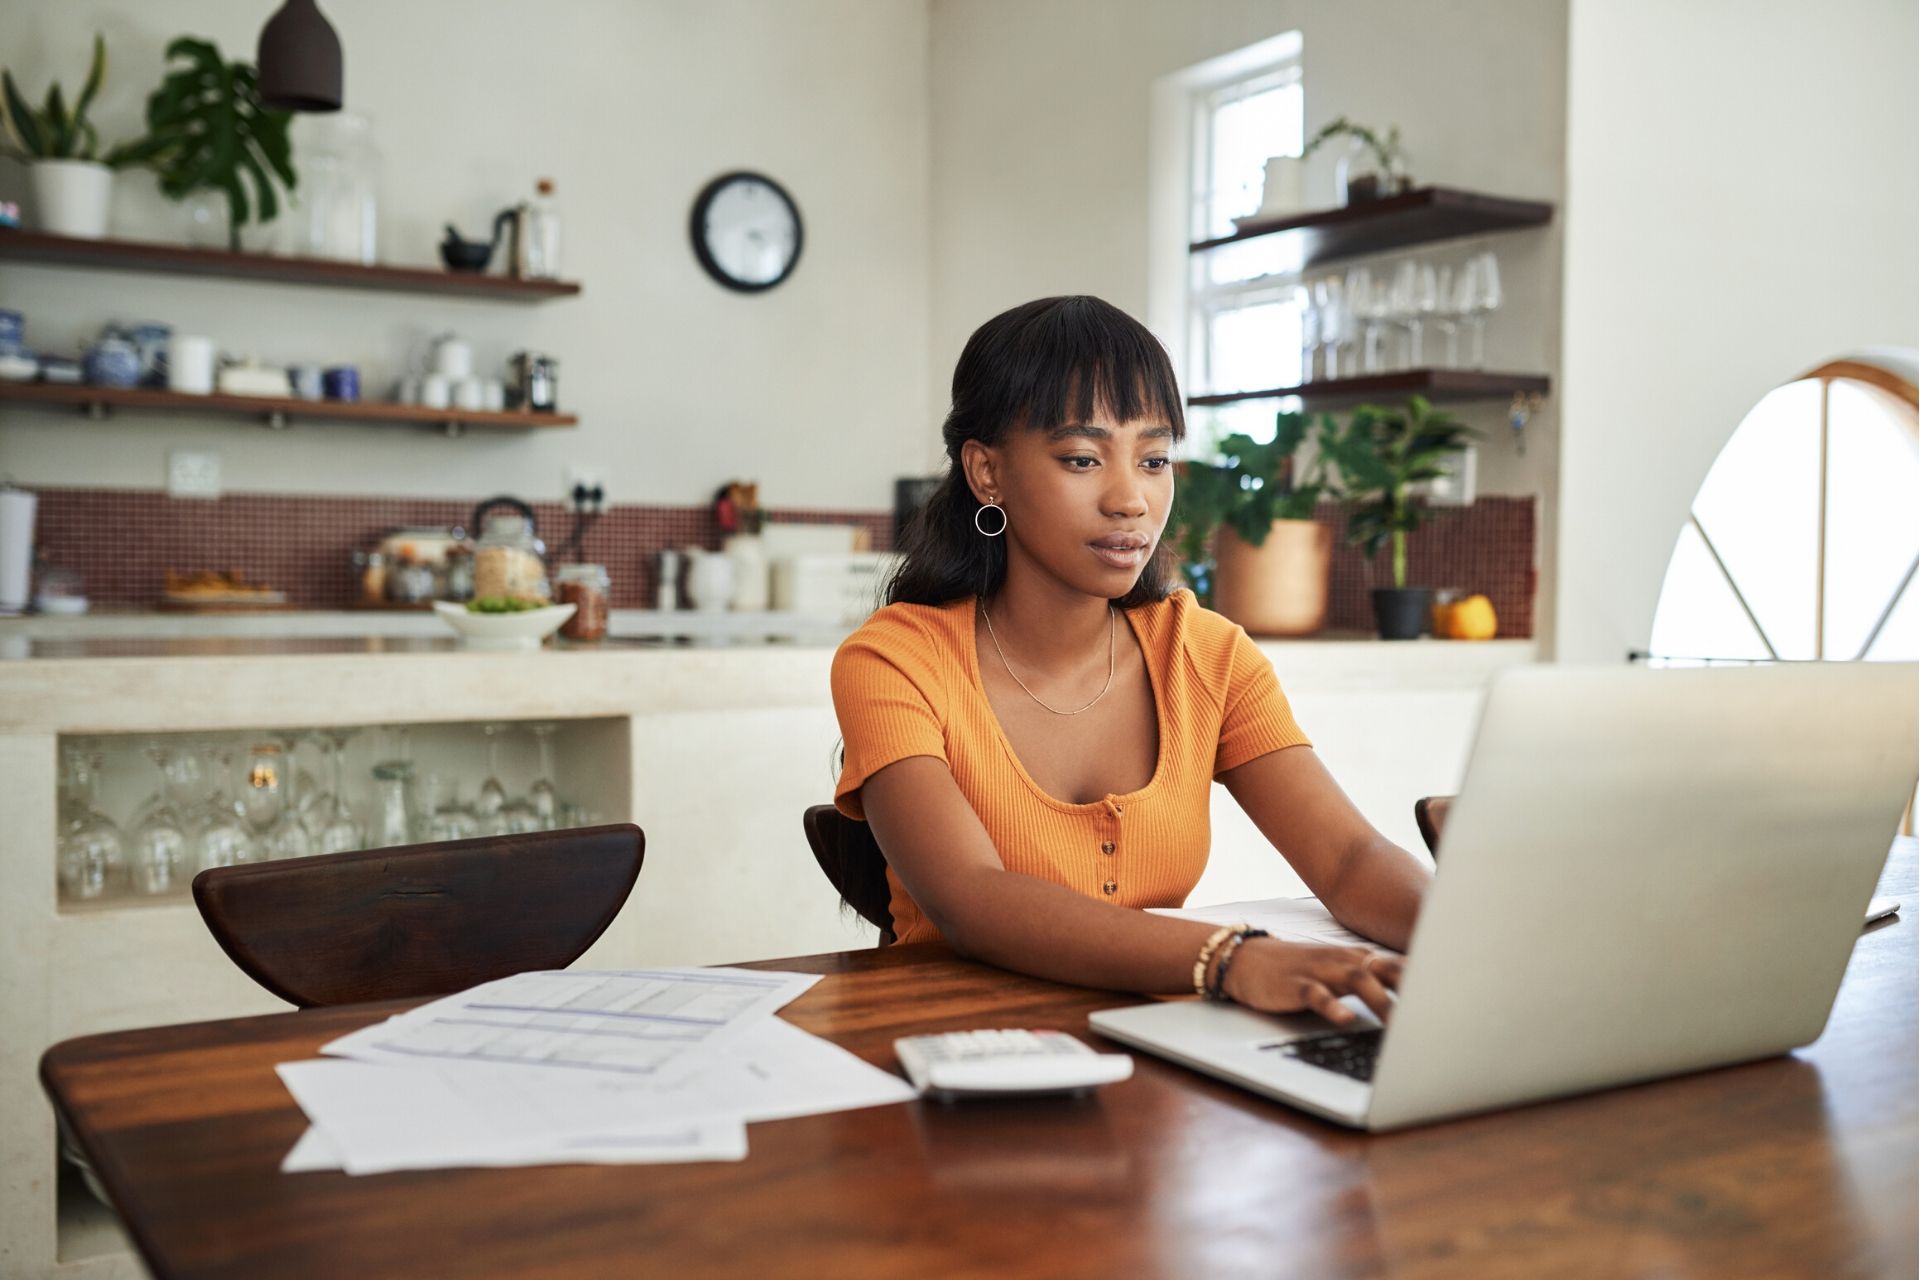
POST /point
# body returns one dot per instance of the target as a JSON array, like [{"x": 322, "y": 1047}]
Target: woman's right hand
[{"x": 1286, "y": 977}]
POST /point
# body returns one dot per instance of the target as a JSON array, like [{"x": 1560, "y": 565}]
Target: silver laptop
[{"x": 1647, "y": 872}]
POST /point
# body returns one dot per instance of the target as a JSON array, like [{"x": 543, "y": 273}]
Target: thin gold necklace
[{"x": 1023, "y": 684}]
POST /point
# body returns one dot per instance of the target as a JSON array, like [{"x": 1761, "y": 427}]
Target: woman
[{"x": 1033, "y": 722}]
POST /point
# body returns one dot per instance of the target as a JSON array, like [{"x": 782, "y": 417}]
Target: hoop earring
[{"x": 990, "y": 506}]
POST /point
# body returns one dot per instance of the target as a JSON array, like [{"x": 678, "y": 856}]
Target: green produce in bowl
[{"x": 503, "y": 604}]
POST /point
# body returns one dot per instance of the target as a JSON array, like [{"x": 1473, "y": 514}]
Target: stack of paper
[
  {"x": 624, "y": 1066},
  {"x": 1294, "y": 919}
]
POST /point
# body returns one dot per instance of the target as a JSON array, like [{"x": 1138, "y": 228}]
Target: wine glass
[
  {"x": 335, "y": 828},
  {"x": 1335, "y": 324},
  {"x": 1446, "y": 314},
  {"x": 1309, "y": 337},
  {"x": 160, "y": 850},
  {"x": 91, "y": 852},
  {"x": 442, "y": 817},
  {"x": 1487, "y": 302},
  {"x": 288, "y": 836},
  {"x": 1360, "y": 306},
  {"x": 264, "y": 795},
  {"x": 1424, "y": 293},
  {"x": 542, "y": 797},
  {"x": 224, "y": 836},
  {"x": 493, "y": 793}
]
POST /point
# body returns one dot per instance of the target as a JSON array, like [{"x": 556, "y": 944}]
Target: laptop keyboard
[{"x": 1351, "y": 1053}]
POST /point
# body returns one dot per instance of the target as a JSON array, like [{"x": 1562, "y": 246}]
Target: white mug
[
  {"x": 495, "y": 395},
  {"x": 190, "y": 365},
  {"x": 435, "y": 391},
  {"x": 470, "y": 393}
]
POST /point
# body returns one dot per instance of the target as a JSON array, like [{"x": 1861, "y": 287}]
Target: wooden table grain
[{"x": 1802, "y": 1166}]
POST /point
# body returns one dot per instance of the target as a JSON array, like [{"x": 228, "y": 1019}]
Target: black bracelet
[{"x": 1217, "y": 989}]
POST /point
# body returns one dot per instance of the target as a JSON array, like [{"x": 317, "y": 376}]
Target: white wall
[
  {"x": 818, "y": 388},
  {"x": 1741, "y": 207},
  {"x": 1042, "y": 179}
]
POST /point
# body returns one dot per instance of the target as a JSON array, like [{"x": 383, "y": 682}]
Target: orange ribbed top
[{"x": 907, "y": 683}]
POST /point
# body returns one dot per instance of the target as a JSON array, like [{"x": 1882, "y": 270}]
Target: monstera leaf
[{"x": 208, "y": 130}]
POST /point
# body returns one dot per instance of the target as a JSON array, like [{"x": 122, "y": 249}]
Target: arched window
[{"x": 1803, "y": 541}]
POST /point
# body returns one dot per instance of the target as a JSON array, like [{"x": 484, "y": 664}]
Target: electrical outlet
[
  {"x": 585, "y": 487},
  {"x": 193, "y": 473}
]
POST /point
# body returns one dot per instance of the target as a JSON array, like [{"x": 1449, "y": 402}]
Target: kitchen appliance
[
  {"x": 844, "y": 588},
  {"x": 508, "y": 557},
  {"x": 16, "y": 546},
  {"x": 536, "y": 382}
]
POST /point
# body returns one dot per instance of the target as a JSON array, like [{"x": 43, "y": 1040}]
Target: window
[
  {"x": 1801, "y": 543},
  {"x": 1243, "y": 319}
]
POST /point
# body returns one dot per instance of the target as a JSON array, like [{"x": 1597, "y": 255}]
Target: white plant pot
[{"x": 72, "y": 196}]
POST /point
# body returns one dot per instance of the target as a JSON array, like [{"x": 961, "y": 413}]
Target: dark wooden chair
[
  {"x": 419, "y": 920},
  {"x": 853, "y": 863},
  {"x": 1431, "y": 813}
]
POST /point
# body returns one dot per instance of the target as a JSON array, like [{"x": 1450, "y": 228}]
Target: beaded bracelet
[
  {"x": 1220, "y": 935},
  {"x": 1217, "y": 990}
]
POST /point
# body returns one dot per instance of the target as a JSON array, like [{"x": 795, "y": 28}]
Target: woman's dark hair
[{"x": 1039, "y": 366}]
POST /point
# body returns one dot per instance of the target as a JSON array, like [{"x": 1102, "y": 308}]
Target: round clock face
[{"x": 746, "y": 231}]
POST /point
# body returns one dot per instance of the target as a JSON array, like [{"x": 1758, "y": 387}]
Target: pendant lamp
[{"x": 300, "y": 66}]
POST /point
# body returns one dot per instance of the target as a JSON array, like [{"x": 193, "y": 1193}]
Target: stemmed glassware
[
  {"x": 442, "y": 817},
  {"x": 224, "y": 837},
  {"x": 91, "y": 853},
  {"x": 335, "y": 829},
  {"x": 265, "y": 793},
  {"x": 1309, "y": 337},
  {"x": 1335, "y": 325},
  {"x": 288, "y": 836},
  {"x": 1477, "y": 295},
  {"x": 492, "y": 799},
  {"x": 160, "y": 853},
  {"x": 542, "y": 796}
]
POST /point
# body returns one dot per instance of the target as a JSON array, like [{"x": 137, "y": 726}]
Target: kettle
[{"x": 508, "y": 558}]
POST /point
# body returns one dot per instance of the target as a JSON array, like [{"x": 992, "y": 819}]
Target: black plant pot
[{"x": 1401, "y": 612}]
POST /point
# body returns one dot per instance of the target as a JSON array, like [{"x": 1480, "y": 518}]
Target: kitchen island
[{"x": 713, "y": 749}]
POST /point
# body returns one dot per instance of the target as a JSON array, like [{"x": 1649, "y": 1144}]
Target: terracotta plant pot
[{"x": 1279, "y": 588}]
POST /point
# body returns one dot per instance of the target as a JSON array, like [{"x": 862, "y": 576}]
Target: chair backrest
[
  {"x": 853, "y": 863},
  {"x": 423, "y": 919},
  {"x": 1431, "y": 813}
]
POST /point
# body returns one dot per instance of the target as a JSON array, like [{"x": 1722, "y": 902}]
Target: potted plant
[
  {"x": 72, "y": 182},
  {"x": 1246, "y": 531},
  {"x": 1380, "y": 456},
  {"x": 207, "y": 130},
  {"x": 1372, "y": 167}
]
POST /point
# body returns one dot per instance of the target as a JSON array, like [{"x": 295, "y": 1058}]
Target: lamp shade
[{"x": 300, "y": 65}]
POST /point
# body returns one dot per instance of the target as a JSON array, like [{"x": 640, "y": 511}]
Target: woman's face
[{"x": 1086, "y": 503}]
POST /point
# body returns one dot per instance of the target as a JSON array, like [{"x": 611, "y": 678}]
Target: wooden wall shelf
[
  {"x": 1422, "y": 216},
  {"x": 1434, "y": 384},
  {"x": 100, "y": 402},
  {"x": 171, "y": 259}
]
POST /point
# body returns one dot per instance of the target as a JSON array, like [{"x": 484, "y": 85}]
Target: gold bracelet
[{"x": 1220, "y": 935}]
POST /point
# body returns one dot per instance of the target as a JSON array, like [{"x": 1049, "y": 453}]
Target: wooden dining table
[{"x": 1799, "y": 1166}]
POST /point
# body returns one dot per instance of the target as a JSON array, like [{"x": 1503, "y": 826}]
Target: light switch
[{"x": 193, "y": 473}]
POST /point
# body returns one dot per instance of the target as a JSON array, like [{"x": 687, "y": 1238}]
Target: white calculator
[{"x": 1002, "y": 1064}]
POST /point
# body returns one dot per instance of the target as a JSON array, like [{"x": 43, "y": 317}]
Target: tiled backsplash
[{"x": 121, "y": 542}]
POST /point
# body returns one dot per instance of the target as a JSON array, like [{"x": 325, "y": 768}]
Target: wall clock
[{"x": 746, "y": 231}]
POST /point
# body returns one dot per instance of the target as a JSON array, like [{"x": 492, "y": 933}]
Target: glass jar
[
  {"x": 1358, "y": 176},
  {"x": 588, "y": 589},
  {"x": 338, "y": 196},
  {"x": 394, "y": 816}
]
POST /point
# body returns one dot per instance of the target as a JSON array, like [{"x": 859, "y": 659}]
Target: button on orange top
[{"x": 907, "y": 683}]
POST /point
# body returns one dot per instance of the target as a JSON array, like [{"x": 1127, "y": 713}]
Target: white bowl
[{"x": 524, "y": 630}]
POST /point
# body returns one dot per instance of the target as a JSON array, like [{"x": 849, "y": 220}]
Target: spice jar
[{"x": 587, "y": 588}]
